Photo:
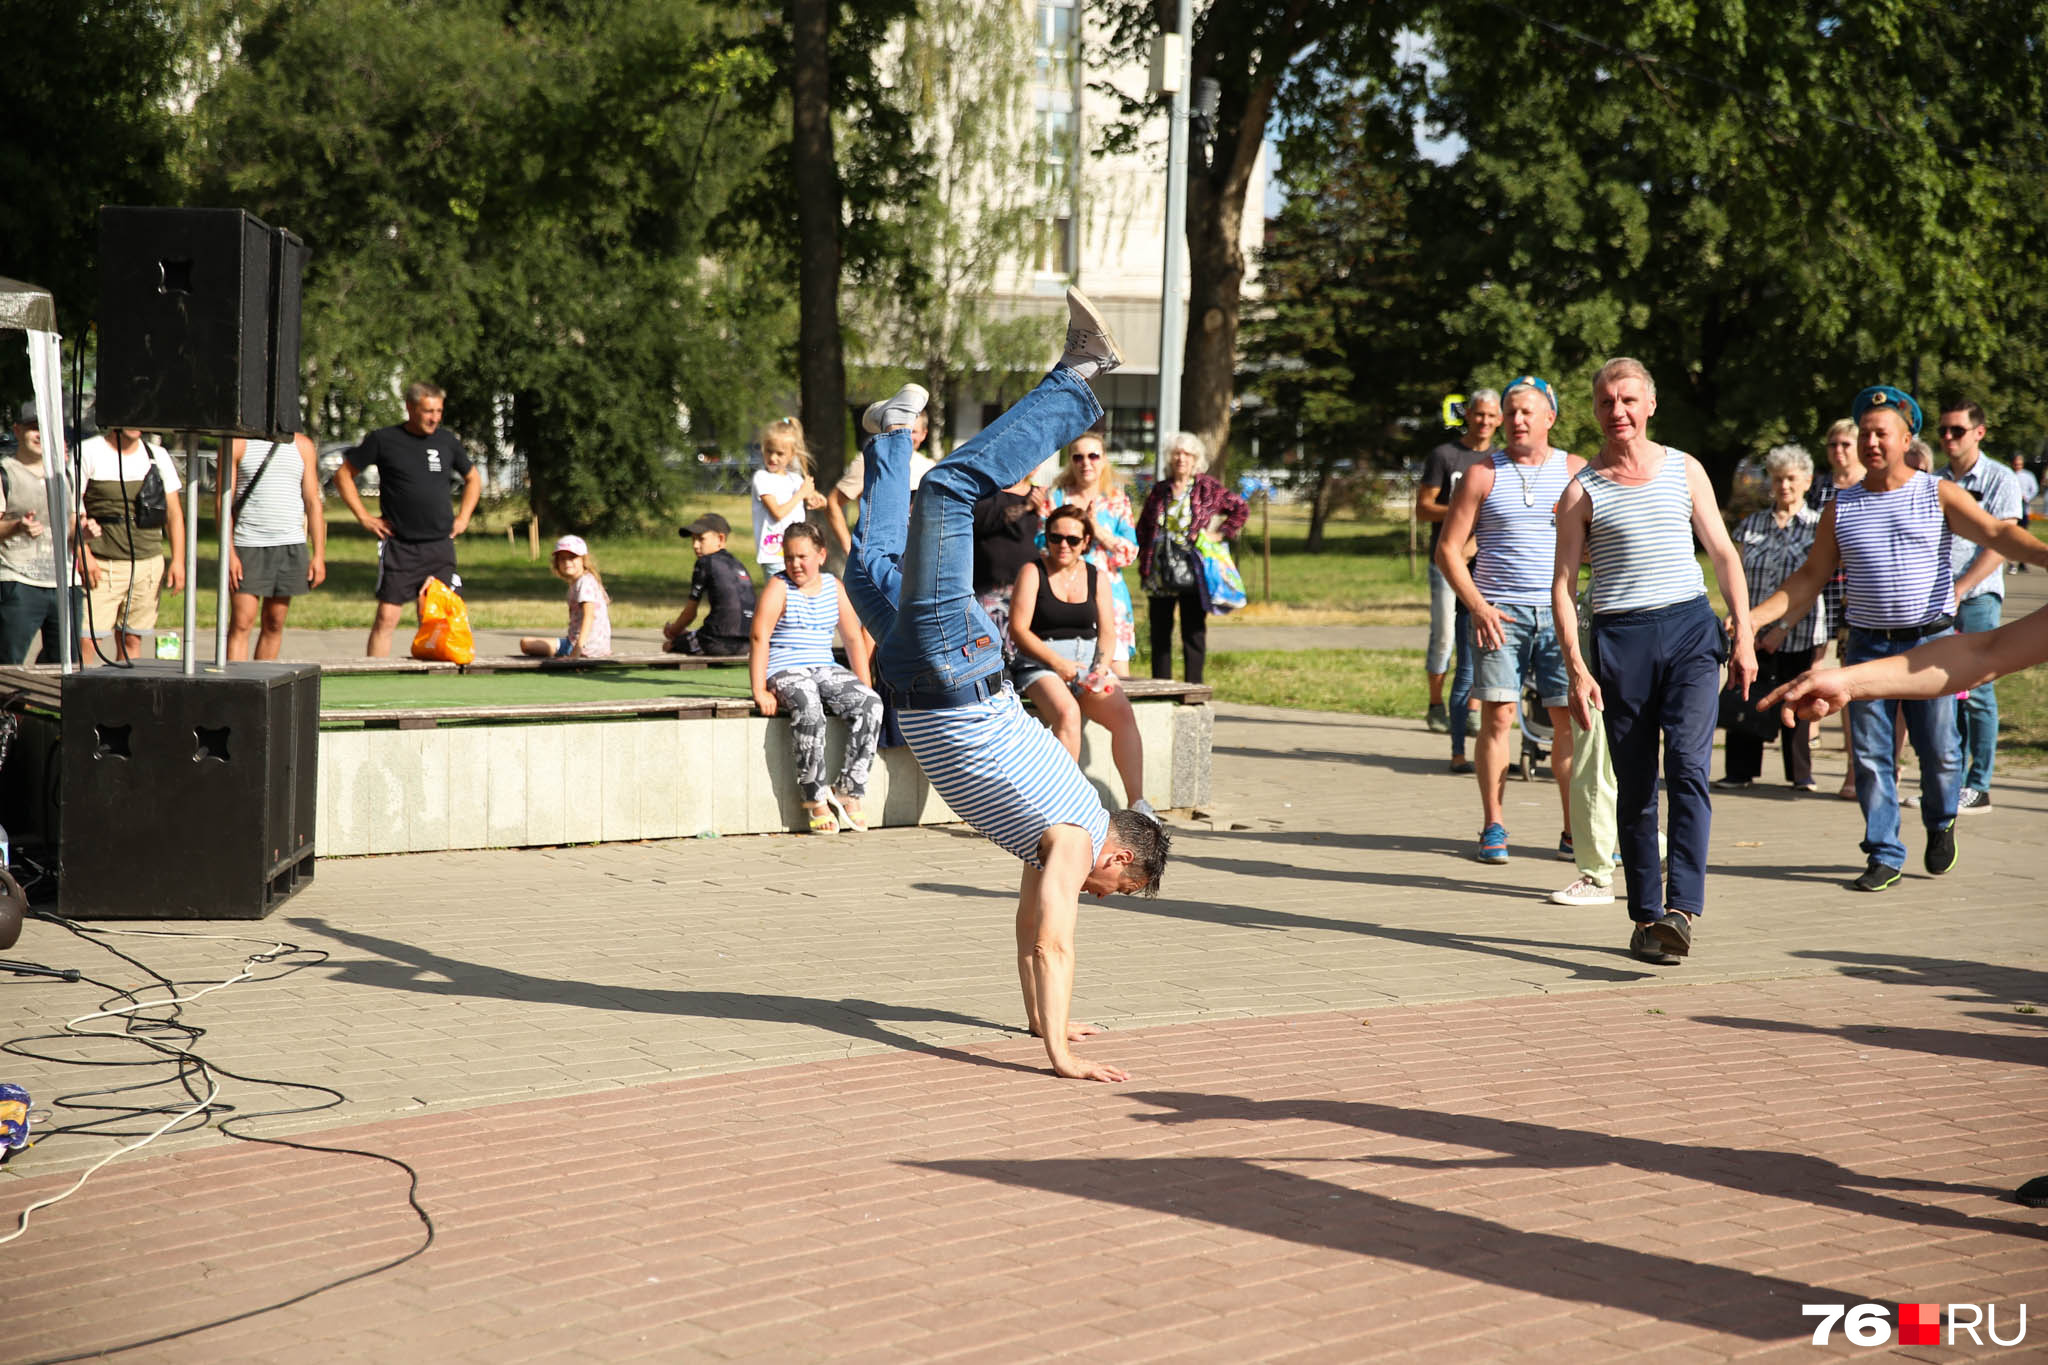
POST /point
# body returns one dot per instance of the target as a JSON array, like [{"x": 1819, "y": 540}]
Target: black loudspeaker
[
  {"x": 198, "y": 322},
  {"x": 188, "y": 797}
]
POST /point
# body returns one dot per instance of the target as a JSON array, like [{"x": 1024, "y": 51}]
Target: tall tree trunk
[{"x": 821, "y": 364}]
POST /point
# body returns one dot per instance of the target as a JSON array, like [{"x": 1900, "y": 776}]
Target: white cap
[{"x": 572, "y": 545}]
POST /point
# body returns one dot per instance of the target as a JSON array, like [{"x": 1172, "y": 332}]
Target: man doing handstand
[{"x": 910, "y": 576}]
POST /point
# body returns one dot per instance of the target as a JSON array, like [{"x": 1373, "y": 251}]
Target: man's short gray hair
[
  {"x": 1191, "y": 443},
  {"x": 1793, "y": 457},
  {"x": 1482, "y": 396}
]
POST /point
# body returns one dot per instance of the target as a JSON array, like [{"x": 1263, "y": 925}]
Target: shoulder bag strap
[{"x": 242, "y": 498}]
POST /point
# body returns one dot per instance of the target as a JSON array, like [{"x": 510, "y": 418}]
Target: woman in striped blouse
[
  {"x": 1655, "y": 674},
  {"x": 1774, "y": 543},
  {"x": 793, "y": 672}
]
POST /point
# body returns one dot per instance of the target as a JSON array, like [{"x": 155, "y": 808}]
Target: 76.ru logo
[{"x": 1870, "y": 1324}]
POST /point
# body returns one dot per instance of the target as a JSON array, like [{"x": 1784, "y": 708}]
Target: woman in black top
[{"x": 1063, "y": 624}]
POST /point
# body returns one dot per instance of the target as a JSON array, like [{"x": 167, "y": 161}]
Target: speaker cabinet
[
  {"x": 188, "y": 797},
  {"x": 198, "y": 322}
]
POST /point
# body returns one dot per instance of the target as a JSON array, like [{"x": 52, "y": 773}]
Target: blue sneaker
[{"x": 1493, "y": 844}]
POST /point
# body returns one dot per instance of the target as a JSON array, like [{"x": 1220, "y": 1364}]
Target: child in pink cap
[{"x": 590, "y": 622}]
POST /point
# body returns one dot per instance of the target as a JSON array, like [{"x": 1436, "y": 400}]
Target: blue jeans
[
  {"x": 1461, "y": 682},
  {"x": 1931, "y": 725},
  {"x": 1660, "y": 680},
  {"x": 911, "y": 572},
  {"x": 27, "y": 611},
  {"x": 1528, "y": 653},
  {"x": 1977, "y": 714}
]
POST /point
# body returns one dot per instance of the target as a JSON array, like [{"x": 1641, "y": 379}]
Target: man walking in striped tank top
[
  {"x": 1890, "y": 534},
  {"x": 911, "y": 578},
  {"x": 1655, "y": 671},
  {"x": 1509, "y": 500}
]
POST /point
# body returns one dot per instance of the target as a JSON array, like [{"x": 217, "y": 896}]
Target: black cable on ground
[{"x": 192, "y": 1067}]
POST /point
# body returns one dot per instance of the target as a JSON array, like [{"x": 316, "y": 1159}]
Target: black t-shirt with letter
[
  {"x": 413, "y": 477},
  {"x": 1442, "y": 470},
  {"x": 723, "y": 582}
]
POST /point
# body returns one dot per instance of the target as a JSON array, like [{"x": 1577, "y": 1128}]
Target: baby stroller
[{"x": 1534, "y": 722}]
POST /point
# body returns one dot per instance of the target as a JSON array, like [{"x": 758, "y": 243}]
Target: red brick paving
[{"x": 1585, "y": 1177}]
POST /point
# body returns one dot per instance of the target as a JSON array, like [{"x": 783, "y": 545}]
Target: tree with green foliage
[
  {"x": 978, "y": 211},
  {"x": 1295, "y": 60},
  {"x": 1342, "y": 345},
  {"x": 1770, "y": 205},
  {"x": 525, "y": 226}
]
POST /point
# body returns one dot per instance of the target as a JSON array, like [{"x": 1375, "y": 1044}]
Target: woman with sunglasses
[
  {"x": 1090, "y": 482},
  {"x": 1061, "y": 622}
]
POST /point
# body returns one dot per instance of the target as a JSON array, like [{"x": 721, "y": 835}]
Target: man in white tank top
[
  {"x": 1885, "y": 534},
  {"x": 278, "y": 544},
  {"x": 1655, "y": 674},
  {"x": 1510, "y": 503}
]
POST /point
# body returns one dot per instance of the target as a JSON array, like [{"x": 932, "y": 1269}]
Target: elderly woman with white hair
[
  {"x": 1774, "y": 543},
  {"x": 1179, "y": 508}
]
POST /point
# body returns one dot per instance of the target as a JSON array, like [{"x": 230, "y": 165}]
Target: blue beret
[
  {"x": 1530, "y": 381},
  {"x": 1885, "y": 396}
]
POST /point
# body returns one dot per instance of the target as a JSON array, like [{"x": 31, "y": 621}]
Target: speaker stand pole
[
  {"x": 186, "y": 651},
  {"x": 223, "y": 526}
]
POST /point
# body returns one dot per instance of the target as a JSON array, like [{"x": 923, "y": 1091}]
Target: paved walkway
[{"x": 764, "y": 1099}]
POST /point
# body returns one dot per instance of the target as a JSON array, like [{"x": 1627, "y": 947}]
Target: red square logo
[{"x": 1919, "y": 1324}]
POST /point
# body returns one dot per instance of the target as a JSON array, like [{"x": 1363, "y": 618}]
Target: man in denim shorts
[{"x": 1508, "y": 502}]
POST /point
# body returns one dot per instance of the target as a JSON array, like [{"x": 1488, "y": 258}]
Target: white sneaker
[
  {"x": 1973, "y": 802},
  {"x": 896, "y": 410},
  {"x": 1088, "y": 338},
  {"x": 1584, "y": 891},
  {"x": 1144, "y": 808}
]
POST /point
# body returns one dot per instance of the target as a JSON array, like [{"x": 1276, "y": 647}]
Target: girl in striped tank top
[
  {"x": 794, "y": 673},
  {"x": 1655, "y": 671},
  {"x": 1888, "y": 536}
]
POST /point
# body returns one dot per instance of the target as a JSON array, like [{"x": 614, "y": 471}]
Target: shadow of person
[
  {"x": 1994, "y": 983},
  {"x": 1541, "y": 1146},
  {"x": 397, "y": 965},
  {"x": 1936, "y": 1042},
  {"x": 1250, "y": 1197},
  {"x": 1251, "y": 917}
]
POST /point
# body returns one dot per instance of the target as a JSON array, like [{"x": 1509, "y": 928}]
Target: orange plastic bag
[{"x": 444, "y": 626}]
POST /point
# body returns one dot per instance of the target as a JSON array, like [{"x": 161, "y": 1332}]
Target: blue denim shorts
[{"x": 1529, "y": 650}]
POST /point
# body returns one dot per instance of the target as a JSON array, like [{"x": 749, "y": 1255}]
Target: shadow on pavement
[
  {"x": 1251, "y": 1197},
  {"x": 1541, "y": 1146},
  {"x": 1938, "y": 1042},
  {"x": 410, "y": 967},
  {"x": 1400, "y": 763},
  {"x": 1249, "y": 917}
]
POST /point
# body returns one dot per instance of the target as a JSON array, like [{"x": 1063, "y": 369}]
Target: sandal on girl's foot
[
  {"x": 848, "y": 819},
  {"x": 821, "y": 819}
]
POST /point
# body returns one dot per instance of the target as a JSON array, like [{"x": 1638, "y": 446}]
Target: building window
[{"x": 1056, "y": 43}]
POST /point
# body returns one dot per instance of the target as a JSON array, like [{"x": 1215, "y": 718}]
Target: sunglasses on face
[
  {"x": 1953, "y": 433},
  {"x": 1053, "y": 538},
  {"x": 1081, "y": 455}
]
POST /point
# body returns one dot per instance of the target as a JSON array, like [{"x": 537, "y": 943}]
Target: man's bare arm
[
  {"x": 1936, "y": 669},
  {"x": 1067, "y": 853},
  {"x": 1970, "y": 521}
]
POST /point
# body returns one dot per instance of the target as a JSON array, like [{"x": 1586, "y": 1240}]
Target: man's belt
[
  {"x": 928, "y": 699},
  {"x": 1898, "y": 633}
]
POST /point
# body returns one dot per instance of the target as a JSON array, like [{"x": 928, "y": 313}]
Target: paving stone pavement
[{"x": 765, "y": 1098}]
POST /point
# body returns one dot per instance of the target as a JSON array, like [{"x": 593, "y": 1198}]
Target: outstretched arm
[
  {"x": 1947, "y": 665},
  {"x": 1049, "y": 903},
  {"x": 1973, "y": 523}
]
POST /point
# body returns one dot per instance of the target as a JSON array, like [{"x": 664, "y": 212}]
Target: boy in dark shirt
[{"x": 724, "y": 581}]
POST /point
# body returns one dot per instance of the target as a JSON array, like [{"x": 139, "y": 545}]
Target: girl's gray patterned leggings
[{"x": 805, "y": 695}]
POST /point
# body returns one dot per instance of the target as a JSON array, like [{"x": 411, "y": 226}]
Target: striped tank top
[
  {"x": 803, "y": 637},
  {"x": 1641, "y": 539},
  {"x": 1517, "y": 530},
  {"x": 1004, "y": 773},
  {"x": 275, "y": 513},
  {"x": 1894, "y": 549}
]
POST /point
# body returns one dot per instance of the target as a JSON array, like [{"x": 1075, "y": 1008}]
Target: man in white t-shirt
[{"x": 128, "y": 528}]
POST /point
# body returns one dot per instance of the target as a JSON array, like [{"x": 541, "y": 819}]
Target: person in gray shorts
[{"x": 279, "y": 545}]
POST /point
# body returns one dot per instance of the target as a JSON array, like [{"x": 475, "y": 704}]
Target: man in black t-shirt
[
  {"x": 720, "y": 581},
  {"x": 1440, "y": 474},
  {"x": 415, "y": 462}
]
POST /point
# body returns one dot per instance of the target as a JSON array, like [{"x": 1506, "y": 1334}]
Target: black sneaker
[
  {"x": 1941, "y": 849},
  {"x": 1644, "y": 947},
  {"x": 1733, "y": 784},
  {"x": 1876, "y": 877}
]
